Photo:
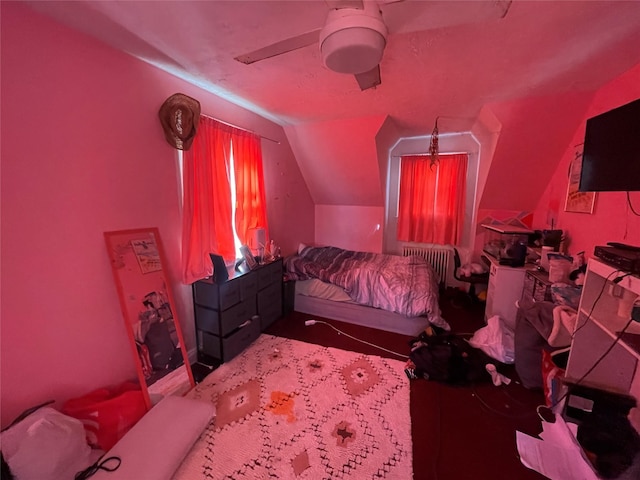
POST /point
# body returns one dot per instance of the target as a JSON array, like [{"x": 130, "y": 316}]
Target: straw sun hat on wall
[{"x": 179, "y": 116}]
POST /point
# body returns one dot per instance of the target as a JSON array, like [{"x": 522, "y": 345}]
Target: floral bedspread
[{"x": 405, "y": 285}]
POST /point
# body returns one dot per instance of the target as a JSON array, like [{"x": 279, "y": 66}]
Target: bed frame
[{"x": 360, "y": 315}]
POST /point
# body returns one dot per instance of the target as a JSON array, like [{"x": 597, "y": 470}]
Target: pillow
[
  {"x": 157, "y": 444},
  {"x": 303, "y": 248}
]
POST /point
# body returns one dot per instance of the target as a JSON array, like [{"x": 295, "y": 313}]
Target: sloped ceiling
[{"x": 536, "y": 69}]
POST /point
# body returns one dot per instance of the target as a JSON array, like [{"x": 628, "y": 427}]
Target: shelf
[
  {"x": 594, "y": 358},
  {"x": 629, "y": 340},
  {"x": 601, "y": 299},
  {"x": 629, "y": 282}
]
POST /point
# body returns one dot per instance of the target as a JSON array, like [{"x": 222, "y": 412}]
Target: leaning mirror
[{"x": 147, "y": 304}]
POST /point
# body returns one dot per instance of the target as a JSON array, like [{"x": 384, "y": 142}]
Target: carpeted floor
[{"x": 287, "y": 409}]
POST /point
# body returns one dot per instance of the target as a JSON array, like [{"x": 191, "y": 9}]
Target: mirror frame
[{"x": 146, "y": 300}]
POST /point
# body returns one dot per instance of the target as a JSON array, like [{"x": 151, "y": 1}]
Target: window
[
  {"x": 223, "y": 196},
  {"x": 431, "y": 200}
]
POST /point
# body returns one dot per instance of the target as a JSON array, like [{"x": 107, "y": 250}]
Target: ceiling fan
[{"x": 352, "y": 40}]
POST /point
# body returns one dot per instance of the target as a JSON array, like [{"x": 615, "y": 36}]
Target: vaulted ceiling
[{"x": 533, "y": 64}]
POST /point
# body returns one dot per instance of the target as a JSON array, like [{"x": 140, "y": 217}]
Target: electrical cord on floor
[
  {"x": 505, "y": 390},
  {"x": 495, "y": 411},
  {"x": 314, "y": 322},
  {"x": 109, "y": 464},
  {"x": 475, "y": 393}
]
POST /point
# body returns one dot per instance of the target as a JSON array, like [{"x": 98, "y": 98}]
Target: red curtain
[
  {"x": 207, "y": 210},
  {"x": 432, "y": 198},
  {"x": 251, "y": 209}
]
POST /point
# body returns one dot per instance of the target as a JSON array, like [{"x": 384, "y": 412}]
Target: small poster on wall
[
  {"x": 147, "y": 254},
  {"x": 578, "y": 202}
]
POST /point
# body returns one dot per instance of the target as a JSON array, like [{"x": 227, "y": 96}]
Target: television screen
[{"x": 611, "y": 155}]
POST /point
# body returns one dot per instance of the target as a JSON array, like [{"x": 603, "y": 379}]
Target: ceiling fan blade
[
  {"x": 417, "y": 16},
  {"x": 369, "y": 79},
  {"x": 338, "y": 4},
  {"x": 278, "y": 48}
]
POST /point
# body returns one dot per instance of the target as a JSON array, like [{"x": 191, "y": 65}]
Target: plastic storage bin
[{"x": 507, "y": 244}]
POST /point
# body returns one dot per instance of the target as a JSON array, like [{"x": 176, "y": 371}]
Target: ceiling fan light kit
[
  {"x": 354, "y": 50},
  {"x": 352, "y": 40}
]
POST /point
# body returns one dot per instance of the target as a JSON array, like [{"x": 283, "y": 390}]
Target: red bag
[
  {"x": 552, "y": 375},
  {"x": 107, "y": 414}
]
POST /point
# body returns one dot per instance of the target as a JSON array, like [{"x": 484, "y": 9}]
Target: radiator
[{"x": 438, "y": 256}]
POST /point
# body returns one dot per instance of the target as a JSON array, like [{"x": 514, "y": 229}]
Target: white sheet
[{"x": 319, "y": 289}]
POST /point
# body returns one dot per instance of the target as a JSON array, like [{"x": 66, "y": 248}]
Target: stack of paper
[{"x": 556, "y": 454}]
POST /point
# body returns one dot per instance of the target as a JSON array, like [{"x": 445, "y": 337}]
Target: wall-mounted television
[{"x": 611, "y": 152}]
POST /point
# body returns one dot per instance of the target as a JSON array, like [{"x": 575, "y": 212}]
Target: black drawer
[
  {"x": 223, "y": 323},
  {"x": 269, "y": 274},
  {"x": 249, "y": 286},
  {"x": 270, "y": 314},
  {"x": 228, "y": 347},
  {"x": 207, "y": 319},
  {"x": 239, "y": 340},
  {"x": 270, "y": 304},
  {"x": 236, "y": 315},
  {"x": 217, "y": 296},
  {"x": 208, "y": 344},
  {"x": 270, "y": 295}
]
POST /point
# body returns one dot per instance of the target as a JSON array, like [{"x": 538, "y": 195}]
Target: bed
[{"x": 383, "y": 291}]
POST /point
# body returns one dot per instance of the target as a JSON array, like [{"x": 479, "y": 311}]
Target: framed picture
[
  {"x": 578, "y": 202},
  {"x": 148, "y": 308},
  {"x": 248, "y": 257}
]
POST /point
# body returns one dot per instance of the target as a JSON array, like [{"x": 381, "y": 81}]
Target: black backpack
[{"x": 447, "y": 358}]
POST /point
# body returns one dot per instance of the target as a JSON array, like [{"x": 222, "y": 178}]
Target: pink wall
[
  {"x": 351, "y": 228},
  {"x": 530, "y": 121},
  {"x": 347, "y": 152},
  {"x": 611, "y": 220},
  {"x": 83, "y": 153}
]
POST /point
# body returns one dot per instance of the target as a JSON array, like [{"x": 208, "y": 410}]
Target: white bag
[
  {"x": 46, "y": 445},
  {"x": 496, "y": 340},
  {"x": 559, "y": 268}
]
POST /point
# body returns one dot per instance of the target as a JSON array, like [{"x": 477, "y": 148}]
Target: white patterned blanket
[{"x": 292, "y": 410}]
